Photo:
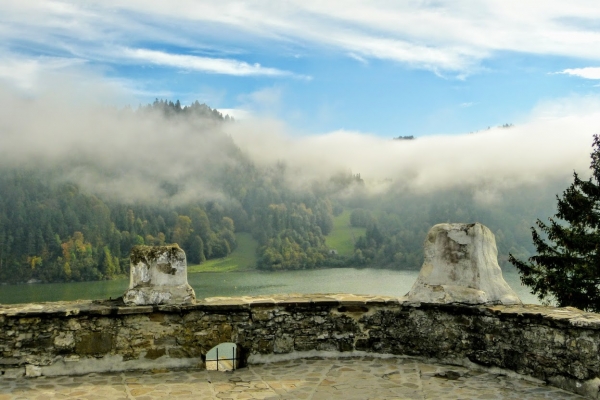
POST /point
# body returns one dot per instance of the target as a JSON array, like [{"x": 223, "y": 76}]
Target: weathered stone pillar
[
  {"x": 158, "y": 275},
  {"x": 461, "y": 266}
]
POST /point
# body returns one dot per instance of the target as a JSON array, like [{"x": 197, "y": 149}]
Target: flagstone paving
[{"x": 337, "y": 378}]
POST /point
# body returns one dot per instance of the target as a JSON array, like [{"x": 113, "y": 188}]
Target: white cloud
[
  {"x": 444, "y": 35},
  {"x": 204, "y": 64},
  {"x": 533, "y": 152},
  {"x": 25, "y": 72},
  {"x": 129, "y": 156},
  {"x": 237, "y": 113},
  {"x": 39, "y": 76},
  {"x": 425, "y": 56},
  {"x": 358, "y": 58},
  {"x": 447, "y": 34},
  {"x": 587, "y": 72},
  {"x": 265, "y": 101}
]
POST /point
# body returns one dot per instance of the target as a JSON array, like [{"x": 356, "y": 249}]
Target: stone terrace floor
[{"x": 336, "y": 378}]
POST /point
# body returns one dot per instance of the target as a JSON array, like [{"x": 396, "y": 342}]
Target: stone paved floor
[{"x": 352, "y": 378}]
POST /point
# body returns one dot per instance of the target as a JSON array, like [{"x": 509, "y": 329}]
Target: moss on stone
[
  {"x": 95, "y": 343},
  {"x": 146, "y": 254}
]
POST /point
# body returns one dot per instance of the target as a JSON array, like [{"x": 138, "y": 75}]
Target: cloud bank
[
  {"x": 111, "y": 152},
  {"x": 528, "y": 154},
  {"x": 116, "y": 153}
]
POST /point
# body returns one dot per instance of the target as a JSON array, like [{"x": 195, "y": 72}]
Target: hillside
[
  {"x": 241, "y": 259},
  {"x": 76, "y": 217},
  {"x": 343, "y": 236}
]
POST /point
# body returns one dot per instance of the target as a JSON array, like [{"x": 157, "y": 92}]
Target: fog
[
  {"x": 112, "y": 152},
  {"x": 116, "y": 153},
  {"x": 534, "y": 151}
]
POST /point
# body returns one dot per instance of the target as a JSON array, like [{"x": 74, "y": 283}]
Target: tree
[
  {"x": 567, "y": 265},
  {"x": 196, "y": 251},
  {"x": 360, "y": 218},
  {"x": 182, "y": 230}
]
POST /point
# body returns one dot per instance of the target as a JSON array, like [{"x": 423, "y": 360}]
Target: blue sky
[{"x": 385, "y": 68}]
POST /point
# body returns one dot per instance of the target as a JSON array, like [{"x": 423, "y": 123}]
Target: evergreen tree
[
  {"x": 567, "y": 266},
  {"x": 196, "y": 251}
]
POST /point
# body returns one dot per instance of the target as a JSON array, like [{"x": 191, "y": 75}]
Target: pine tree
[{"x": 567, "y": 266}]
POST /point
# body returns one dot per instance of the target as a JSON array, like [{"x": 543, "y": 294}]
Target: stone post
[
  {"x": 158, "y": 275},
  {"x": 461, "y": 266}
]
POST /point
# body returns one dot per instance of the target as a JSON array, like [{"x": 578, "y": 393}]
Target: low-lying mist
[
  {"x": 530, "y": 153},
  {"x": 134, "y": 156}
]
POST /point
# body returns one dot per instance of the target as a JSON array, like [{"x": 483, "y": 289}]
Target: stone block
[
  {"x": 153, "y": 354},
  {"x": 461, "y": 266},
  {"x": 33, "y": 371},
  {"x": 158, "y": 275},
  {"x": 283, "y": 344},
  {"x": 65, "y": 340},
  {"x": 95, "y": 343},
  {"x": 12, "y": 373}
]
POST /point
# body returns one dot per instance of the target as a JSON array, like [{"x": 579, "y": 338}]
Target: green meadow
[
  {"x": 242, "y": 258},
  {"x": 343, "y": 236}
]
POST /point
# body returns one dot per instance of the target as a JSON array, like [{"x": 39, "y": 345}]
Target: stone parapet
[{"x": 558, "y": 345}]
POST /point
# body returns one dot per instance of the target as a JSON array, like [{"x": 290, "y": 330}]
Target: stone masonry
[
  {"x": 558, "y": 345},
  {"x": 460, "y": 311}
]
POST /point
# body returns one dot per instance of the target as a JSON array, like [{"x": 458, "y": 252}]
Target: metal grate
[{"x": 217, "y": 358}]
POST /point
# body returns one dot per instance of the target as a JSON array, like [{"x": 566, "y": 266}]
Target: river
[{"x": 248, "y": 283}]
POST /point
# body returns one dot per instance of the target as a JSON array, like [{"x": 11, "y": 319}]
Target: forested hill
[
  {"x": 168, "y": 108},
  {"x": 52, "y": 230},
  {"x": 72, "y": 218}
]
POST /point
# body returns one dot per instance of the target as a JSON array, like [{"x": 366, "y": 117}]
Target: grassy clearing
[
  {"x": 343, "y": 235},
  {"x": 242, "y": 258}
]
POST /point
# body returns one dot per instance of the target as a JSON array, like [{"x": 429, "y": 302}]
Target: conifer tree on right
[{"x": 566, "y": 268}]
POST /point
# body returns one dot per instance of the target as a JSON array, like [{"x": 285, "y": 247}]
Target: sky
[{"x": 380, "y": 68}]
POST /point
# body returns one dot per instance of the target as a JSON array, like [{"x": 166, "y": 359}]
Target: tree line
[
  {"x": 396, "y": 223},
  {"x": 57, "y": 233},
  {"x": 53, "y": 230}
]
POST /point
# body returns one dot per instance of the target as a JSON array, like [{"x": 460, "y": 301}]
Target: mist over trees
[
  {"x": 397, "y": 222},
  {"x": 51, "y": 230},
  {"x": 168, "y": 108},
  {"x": 565, "y": 268},
  {"x": 58, "y": 233},
  {"x": 175, "y": 174}
]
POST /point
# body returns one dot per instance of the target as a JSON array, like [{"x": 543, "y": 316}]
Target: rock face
[
  {"x": 461, "y": 266},
  {"x": 158, "y": 275}
]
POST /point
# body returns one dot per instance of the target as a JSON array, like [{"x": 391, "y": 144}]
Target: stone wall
[{"x": 553, "y": 344}]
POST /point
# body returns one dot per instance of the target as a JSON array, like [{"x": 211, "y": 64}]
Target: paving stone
[{"x": 348, "y": 378}]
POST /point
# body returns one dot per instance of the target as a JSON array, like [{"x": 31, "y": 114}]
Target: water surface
[{"x": 248, "y": 283}]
